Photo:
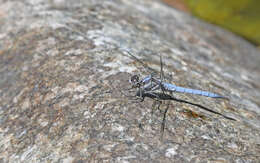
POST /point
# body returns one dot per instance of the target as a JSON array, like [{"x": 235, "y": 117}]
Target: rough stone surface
[{"x": 57, "y": 57}]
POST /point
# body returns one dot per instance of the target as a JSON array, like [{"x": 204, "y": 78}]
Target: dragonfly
[
  {"x": 149, "y": 87},
  {"x": 151, "y": 84},
  {"x": 159, "y": 90}
]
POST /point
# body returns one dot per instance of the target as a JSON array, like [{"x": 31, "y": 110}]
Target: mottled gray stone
[{"x": 57, "y": 57}]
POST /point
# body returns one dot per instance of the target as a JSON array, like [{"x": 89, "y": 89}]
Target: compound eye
[{"x": 134, "y": 79}]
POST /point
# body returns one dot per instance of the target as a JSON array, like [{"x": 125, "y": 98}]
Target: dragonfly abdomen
[{"x": 174, "y": 88}]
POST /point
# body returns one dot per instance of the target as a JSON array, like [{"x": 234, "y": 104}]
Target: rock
[{"x": 64, "y": 66}]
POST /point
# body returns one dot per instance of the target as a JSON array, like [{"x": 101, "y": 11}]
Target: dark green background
[{"x": 240, "y": 16}]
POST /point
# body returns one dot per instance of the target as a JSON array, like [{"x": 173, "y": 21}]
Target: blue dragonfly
[
  {"x": 149, "y": 87},
  {"x": 151, "y": 84}
]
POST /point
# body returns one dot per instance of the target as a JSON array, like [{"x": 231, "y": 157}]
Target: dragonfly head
[{"x": 134, "y": 80}]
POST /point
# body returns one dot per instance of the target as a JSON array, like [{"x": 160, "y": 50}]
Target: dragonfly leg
[
  {"x": 153, "y": 106},
  {"x": 141, "y": 93},
  {"x": 154, "y": 103},
  {"x": 133, "y": 97}
]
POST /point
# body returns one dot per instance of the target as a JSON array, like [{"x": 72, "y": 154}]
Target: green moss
[{"x": 239, "y": 16}]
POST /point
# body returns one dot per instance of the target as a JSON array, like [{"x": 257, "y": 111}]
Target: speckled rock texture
[{"x": 64, "y": 71}]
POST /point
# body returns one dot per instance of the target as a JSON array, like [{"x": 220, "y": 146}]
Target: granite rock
[{"x": 64, "y": 68}]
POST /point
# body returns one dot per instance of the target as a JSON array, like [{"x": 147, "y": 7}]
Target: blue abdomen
[{"x": 174, "y": 88}]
